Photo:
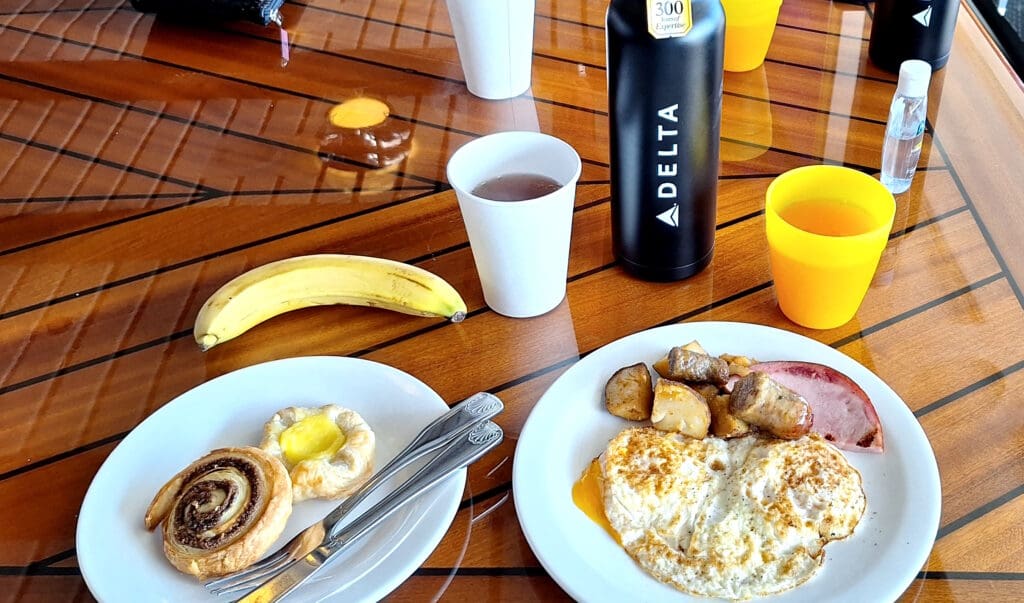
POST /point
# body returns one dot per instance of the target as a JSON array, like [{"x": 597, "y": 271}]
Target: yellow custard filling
[{"x": 314, "y": 437}]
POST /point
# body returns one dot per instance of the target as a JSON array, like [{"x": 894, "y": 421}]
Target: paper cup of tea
[
  {"x": 516, "y": 192},
  {"x": 495, "y": 44}
]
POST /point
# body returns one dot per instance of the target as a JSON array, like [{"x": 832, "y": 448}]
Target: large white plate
[
  {"x": 569, "y": 427},
  {"x": 121, "y": 561}
]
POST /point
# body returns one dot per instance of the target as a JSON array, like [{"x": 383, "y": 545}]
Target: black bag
[{"x": 262, "y": 12}]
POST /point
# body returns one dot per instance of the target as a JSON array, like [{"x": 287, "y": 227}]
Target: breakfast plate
[
  {"x": 121, "y": 561},
  {"x": 569, "y": 426}
]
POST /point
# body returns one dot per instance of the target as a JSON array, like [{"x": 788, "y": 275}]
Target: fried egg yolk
[{"x": 588, "y": 494}]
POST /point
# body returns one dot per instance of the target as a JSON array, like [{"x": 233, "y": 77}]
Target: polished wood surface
[{"x": 144, "y": 162}]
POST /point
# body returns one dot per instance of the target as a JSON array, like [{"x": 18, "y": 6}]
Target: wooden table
[{"x": 143, "y": 164}]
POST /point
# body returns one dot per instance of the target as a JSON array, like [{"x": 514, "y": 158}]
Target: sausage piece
[
  {"x": 687, "y": 365},
  {"x": 760, "y": 400}
]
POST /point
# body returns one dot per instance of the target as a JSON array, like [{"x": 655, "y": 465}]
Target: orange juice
[
  {"x": 828, "y": 217},
  {"x": 749, "y": 26},
  {"x": 826, "y": 227}
]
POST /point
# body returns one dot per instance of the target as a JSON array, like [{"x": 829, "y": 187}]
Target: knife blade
[{"x": 460, "y": 453}]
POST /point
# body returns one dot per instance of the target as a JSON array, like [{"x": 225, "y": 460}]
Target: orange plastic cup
[
  {"x": 827, "y": 227},
  {"x": 749, "y": 25}
]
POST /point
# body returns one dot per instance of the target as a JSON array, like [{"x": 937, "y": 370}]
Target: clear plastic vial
[{"x": 905, "y": 128}]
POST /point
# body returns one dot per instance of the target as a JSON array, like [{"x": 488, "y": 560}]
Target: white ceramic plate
[
  {"x": 569, "y": 427},
  {"x": 121, "y": 561}
]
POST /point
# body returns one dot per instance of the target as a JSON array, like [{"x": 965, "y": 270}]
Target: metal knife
[{"x": 460, "y": 453}]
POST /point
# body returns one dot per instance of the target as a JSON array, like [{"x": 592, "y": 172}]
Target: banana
[{"x": 316, "y": 280}]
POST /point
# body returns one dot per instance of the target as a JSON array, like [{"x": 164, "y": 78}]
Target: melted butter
[
  {"x": 588, "y": 494},
  {"x": 314, "y": 437},
  {"x": 361, "y": 112}
]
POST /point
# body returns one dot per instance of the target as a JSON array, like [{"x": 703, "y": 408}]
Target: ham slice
[{"x": 843, "y": 413}]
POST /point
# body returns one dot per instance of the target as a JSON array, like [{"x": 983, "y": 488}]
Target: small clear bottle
[{"x": 905, "y": 128}]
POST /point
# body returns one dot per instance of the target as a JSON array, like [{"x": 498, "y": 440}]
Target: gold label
[{"x": 669, "y": 18}]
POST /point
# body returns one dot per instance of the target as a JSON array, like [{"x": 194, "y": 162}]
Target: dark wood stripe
[
  {"x": 476, "y": 499},
  {"x": 201, "y": 198},
  {"x": 970, "y": 575},
  {"x": 30, "y": 570},
  {"x": 136, "y": 277},
  {"x": 481, "y": 571},
  {"x": 821, "y": 32},
  {"x": 937, "y": 144},
  {"x": 57, "y": 558},
  {"x": 993, "y": 378},
  {"x": 539, "y": 572},
  {"x": 888, "y": 322},
  {"x": 42, "y": 567},
  {"x": 859, "y": 76},
  {"x": 73, "y": 368},
  {"x": 739, "y": 219},
  {"x": 195, "y": 199},
  {"x": 63, "y": 455},
  {"x": 105, "y": 162},
  {"x": 928, "y": 222},
  {"x": 981, "y": 511},
  {"x": 284, "y": 192},
  {"x": 51, "y": 11},
  {"x": 93, "y": 198},
  {"x": 411, "y": 334}
]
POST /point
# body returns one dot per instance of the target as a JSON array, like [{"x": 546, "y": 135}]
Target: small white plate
[
  {"x": 121, "y": 561},
  {"x": 569, "y": 427}
]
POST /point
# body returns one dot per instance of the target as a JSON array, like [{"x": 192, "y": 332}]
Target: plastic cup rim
[{"x": 883, "y": 227}]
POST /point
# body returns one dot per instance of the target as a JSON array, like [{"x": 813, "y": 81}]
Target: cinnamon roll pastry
[
  {"x": 328, "y": 450},
  {"x": 221, "y": 513}
]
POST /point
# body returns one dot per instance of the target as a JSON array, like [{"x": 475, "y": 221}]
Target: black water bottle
[
  {"x": 912, "y": 29},
  {"x": 664, "y": 107}
]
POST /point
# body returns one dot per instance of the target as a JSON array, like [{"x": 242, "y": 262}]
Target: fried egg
[
  {"x": 735, "y": 519},
  {"x": 328, "y": 451}
]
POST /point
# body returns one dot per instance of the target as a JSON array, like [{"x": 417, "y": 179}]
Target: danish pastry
[
  {"x": 221, "y": 513},
  {"x": 328, "y": 450}
]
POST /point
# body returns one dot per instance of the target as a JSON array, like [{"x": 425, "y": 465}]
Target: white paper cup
[
  {"x": 495, "y": 42},
  {"x": 521, "y": 248}
]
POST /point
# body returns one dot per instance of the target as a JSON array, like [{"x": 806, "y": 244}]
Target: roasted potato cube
[
  {"x": 678, "y": 407},
  {"x": 738, "y": 365},
  {"x": 738, "y": 360},
  {"x": 706, "y": 390},
  {"x": 628, "y": 394},
  {"x": 723, "y": 423},
  {"x": 695, "y": 346},
  {"x": 661, "y": 367}
]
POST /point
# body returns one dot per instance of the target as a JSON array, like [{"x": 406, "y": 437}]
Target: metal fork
[
  {"x": 460, "y": 453},
  {"x": 457, "y": 422}
]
